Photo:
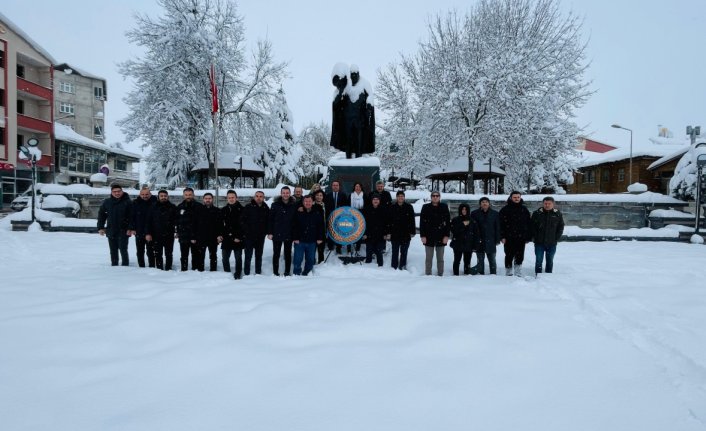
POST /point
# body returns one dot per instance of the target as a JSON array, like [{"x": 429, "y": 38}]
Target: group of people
[
  {"x": 296, "y": 225},
  {"x": 484, "y": 228}
]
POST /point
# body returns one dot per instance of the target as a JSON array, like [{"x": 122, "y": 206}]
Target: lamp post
[{"x": 616, "y": 126}]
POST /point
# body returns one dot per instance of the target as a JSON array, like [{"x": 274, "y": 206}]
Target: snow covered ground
[{"x": 615, "y": 339}]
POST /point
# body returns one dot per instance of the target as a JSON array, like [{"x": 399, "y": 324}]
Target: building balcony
[
  {"x": 34, "y": 124},
  {"x": 34, "y": 89}
]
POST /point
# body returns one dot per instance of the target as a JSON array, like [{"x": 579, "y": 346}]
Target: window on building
[
  {"x": 2, "y": 59},
  {"x": 606, "y": 174},
  {"x": 98, "y": 131},
  {"x": 66, "y": 108},
  {"x": 589, "y": 177},
  {"x": 2, "y": 136},
  {"x": 20, "y": 106},
  {"x": 621, "y": 175},
  {"x": 20, "y": 140},
  {"x": 2, "y": 97},
  {"x": 20, "y": 71},
  {"x": 80, "y": 159},
  {"x": 98, "y": 92},
  {"x": 66, "y": 87},
  {"x": 120, "y": 165}
]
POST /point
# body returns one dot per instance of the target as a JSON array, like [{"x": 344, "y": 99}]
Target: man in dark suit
[{"x": 334, "y": 199}]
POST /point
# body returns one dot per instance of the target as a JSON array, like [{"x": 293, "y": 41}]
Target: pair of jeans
[
  {"x": 399, "y": 254},
  {"x": 238, "y": 254},
  {"x": 163, "y": 246},
  {"x": 376, "y": 248},
  {"x": 481, "y": 262},
  {"x": 142, "y": 244},
  {"x": 540, "y": 250},
  {"x": 466, "y": 257},
  {"x": 514, "y": 251},
  {"x": 430, "y": 250},
  {"x": 118, "y": 244},
  {"x": 185, "y": 247},
  {"x": 305, "y": 251},
  {"x": 256, "y": 245},
  {"x": 276, "y": 251}
]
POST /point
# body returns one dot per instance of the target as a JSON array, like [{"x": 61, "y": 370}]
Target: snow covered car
[{"x": 23, "y": 201}]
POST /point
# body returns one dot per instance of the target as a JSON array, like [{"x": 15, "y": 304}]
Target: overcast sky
[{"x": 647, "y": 63}]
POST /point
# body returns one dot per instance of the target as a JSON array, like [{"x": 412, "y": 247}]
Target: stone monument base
[{"x": 364, "y": 170}]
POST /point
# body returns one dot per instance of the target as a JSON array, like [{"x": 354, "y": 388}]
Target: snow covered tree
[
  {"x": 314, "y": 141},
  {"x": 683, "y": 184},
  {"x": 170, "y": 105},
  {"x": 481, "y": 83},
  {"x": 280, "y": 154}
]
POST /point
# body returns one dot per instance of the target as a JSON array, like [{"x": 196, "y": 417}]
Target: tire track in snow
[{"x": 684, "y": 373}]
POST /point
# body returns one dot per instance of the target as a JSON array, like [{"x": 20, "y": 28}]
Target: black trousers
[
  {"x": 185, "y": 247},
  {"x": 118, "y": 244},
  {"x": 212, "y": 248},
  {"x": 163, "y": 250},
  {"x": 142, "y": 244},
  {"x": 256, "y": 245},
  {"x": 276, "y": 252},
  {"x": 320, "y": 251},
  {"x": 514, "y": 251},
  {"x": 238, "y": 254},
  {"x": 458, "y": 256}
]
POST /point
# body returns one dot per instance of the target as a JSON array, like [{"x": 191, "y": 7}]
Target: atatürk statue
[{"x": 353, "y": 127}]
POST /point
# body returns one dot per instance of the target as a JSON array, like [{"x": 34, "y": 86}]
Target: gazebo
[
  {"x": 230, "y": 166},
  {"x": 457, "y": 170}
]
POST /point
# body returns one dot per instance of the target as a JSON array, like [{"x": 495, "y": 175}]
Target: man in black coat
[
  {"x": 279, "y": 229},
  {"x": 188, "y": 212},
  {"x": 115, "y": 222},
  {"x": 376, "y": 230},
  {"x": 547, "y": 228},
  {"x": 434, "y": 230},
  {"x": 307, "y": 232},
  {"x": 487, "y": 235},
  {"x": 254, "y": 222},
  {"x": 232, "y": 215},
  {"x": 209, "y": 232},
  {"x": 334, "y": 199},
  {"x": 402, "y": 230},
  {"x": 160, "y": 230},
  {"x": 384, "y": 195},
  {"x": 462, "y": 242},
  {"x": 141, "y": 207},
  {"x": 515, "y": 232}
]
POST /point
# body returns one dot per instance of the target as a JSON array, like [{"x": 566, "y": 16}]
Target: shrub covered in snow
[{"x": 683, "y": 183}]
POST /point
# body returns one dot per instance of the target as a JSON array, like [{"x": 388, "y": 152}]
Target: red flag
[{"x": 214, "y": 89}]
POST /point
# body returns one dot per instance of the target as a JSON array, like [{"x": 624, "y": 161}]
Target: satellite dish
[{"x": 33, "y": 142}]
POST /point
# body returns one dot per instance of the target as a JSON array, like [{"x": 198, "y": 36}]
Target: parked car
[{"x": 23, "y": 201}]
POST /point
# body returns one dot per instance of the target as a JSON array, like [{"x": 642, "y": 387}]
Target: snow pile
[
  {"x": 99, "y": 178},
  {"x": 637, "y": 188},
  {"x": 644, "y": 232},
  {"x": 609, "y": 341},
  {"x": 696, "y": 239},
  {"x": 358, "y": 161},
  {"x": 59, "y": 201},
  {"x": 671, "y": 213},
  {"x": 39, "y": 215},
  {"x": 340, "y": 69}
]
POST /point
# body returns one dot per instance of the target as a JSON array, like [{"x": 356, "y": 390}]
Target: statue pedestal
[{"x": 364, "y": 170}]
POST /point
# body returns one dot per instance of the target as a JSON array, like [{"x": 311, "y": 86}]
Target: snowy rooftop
[
  {"x": 65, "y": 133},
  {"x": 19, "y": 32},
  {"x": 654, "y": 149},
  {"x": 460, "y": 165},
  {"x": 66, "y": 67}
]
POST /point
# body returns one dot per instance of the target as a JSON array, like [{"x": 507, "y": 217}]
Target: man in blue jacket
[{"x": 307, "y": 233}]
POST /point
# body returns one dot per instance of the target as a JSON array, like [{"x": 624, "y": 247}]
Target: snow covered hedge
[{"x": 683, "y": 183}]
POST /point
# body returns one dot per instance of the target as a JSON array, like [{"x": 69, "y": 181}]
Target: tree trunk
[{"x": 470, "y": 183}]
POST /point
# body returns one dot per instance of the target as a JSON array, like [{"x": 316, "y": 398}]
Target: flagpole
[
  {"x": 214, "y": 112},
  {"x": 215, "y": 153}
]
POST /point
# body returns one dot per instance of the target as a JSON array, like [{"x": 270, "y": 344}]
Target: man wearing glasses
[{"x": 434, "y": 229}]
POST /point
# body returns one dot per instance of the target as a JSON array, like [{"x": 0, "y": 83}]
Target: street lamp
[{"x": 616, "y": 126}]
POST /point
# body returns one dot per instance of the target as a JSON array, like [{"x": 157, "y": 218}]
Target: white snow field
[{"x": 615, "y": 339}]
